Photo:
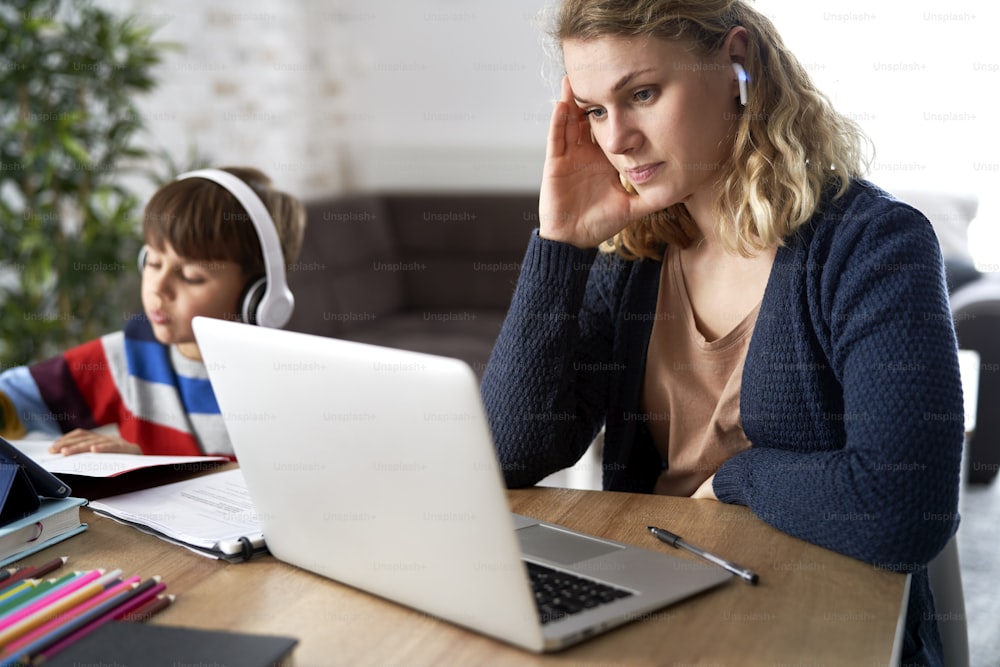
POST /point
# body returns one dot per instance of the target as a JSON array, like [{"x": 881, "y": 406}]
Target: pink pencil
[
  {"x": 45, "y": 647},
  {"x": 136, "y": 602},
  {"x": 148, "y": 610},
  {"x": 132, "y": 604},
  {"x": 63, "y": 619},
  {"x": 59, "y": 605},
  {"x": 59, "y": 591}
]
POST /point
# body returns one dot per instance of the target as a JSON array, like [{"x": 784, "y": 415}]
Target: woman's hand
[
  {"x": 706, "y": 490},
  {"x": 582, "y": 200},
  {"x": 79, "y": 441}
]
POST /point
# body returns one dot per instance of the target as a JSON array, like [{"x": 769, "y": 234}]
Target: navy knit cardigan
[{"x": 851, "y": 395}]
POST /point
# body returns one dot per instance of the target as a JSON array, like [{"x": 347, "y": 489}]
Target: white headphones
[
  {"x": 741, "y": 78},
  {"x": 266, "y": 301}
]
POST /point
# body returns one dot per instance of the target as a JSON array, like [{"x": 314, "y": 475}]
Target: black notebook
[{"x": 127, "y": 644}]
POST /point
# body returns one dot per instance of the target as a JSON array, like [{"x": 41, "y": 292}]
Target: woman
[{"x": 760, "y": 325}]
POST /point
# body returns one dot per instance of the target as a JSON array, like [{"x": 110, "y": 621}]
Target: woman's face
[{"x": 664, "y": 116}]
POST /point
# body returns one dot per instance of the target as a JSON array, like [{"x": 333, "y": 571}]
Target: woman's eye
[
  {"x": 644, "y": 95},
  {"x": 594, "y": 114}
]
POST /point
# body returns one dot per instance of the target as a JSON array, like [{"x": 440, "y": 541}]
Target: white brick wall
[
  {"x": 327, "y": 96},
  {"x": 330, "y": 95}
]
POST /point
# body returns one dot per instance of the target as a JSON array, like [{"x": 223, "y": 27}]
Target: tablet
[{"x": 44, "y": 482}]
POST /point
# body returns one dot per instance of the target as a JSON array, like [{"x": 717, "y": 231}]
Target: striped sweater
[{"x": 158, "y": 398}]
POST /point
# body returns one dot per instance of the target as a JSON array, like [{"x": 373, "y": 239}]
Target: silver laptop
[{"x": 375, "y": 467}]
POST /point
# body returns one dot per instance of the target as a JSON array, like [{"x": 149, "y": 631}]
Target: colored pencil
[
  {"x": 50, "y": 566},
  {"x": 141, "y": 599},
  {"x": 86, "y": 623},
  {"x": 16, "y": 577},
  {"x": 17, "y": 596},
  {"x": 79, "y": 580},
  {"x": 54, "y": 625},
  {"x": 32, "y": 571},
  {"x": 148, "y": 610},
  {"x": 20, "y": 588},
  {"x": 37, "y": 588},
  {"x": 59, "y": 605},
  {"x": 41, "y": 617}
]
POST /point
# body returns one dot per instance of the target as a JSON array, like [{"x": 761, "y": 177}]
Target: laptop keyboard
[{"x": 559, "y": 594}]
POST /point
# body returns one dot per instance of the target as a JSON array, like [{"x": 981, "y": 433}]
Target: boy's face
[{"x": 176, "y": 289}]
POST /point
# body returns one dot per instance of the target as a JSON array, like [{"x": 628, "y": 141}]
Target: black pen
[{"x": 676, "y": 541}]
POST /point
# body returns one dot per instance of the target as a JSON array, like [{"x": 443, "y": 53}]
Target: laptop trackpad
[{"x": 560, "y": 546}]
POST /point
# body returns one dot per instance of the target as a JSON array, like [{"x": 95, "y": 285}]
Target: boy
[{"x": 203, "y": 253}]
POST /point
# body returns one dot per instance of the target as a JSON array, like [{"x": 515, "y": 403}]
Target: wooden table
[{"x": 812, "y": 606}]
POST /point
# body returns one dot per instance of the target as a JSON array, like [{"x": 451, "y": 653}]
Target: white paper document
[
  {"x": 211, "y": 514},
  {"x": 91, "y": 464}
]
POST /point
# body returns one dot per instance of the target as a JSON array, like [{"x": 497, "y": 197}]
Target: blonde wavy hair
[{"x": 790, "y": 149}]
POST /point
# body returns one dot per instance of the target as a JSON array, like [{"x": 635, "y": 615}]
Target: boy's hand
[
  {"x": 582, "y": 200},
  {"x": 79, "y": 441}
]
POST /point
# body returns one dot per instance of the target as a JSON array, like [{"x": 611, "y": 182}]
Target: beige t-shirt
[{"x": 691, "y": 390}]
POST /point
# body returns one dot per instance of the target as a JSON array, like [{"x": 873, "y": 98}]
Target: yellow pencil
[
  {"x": 29, "y": 583},
  {"x": 60, "y": 606}
]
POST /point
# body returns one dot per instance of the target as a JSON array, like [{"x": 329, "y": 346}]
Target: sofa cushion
[
  {"x": 463, "y": 250},
  {"x": 467, "y": 335},
  {"x": 347, "y": 273},
  {"x": 429, "y": 272}
]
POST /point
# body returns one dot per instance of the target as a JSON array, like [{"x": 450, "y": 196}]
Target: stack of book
[
  {"x": 36, "y": 509},
  {"x": 55, "y": 520},
  {"x": 40, "y": 617}
]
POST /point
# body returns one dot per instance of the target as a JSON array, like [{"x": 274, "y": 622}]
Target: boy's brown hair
[{"x": 201, "y": 220}]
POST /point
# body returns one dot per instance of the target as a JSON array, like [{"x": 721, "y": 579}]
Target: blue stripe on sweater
[
  {"x": 197, "y": 395},
  {"x": 149, "y": 360}
]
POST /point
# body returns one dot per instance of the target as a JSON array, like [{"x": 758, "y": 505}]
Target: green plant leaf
[{"x": 69, "y": 131}]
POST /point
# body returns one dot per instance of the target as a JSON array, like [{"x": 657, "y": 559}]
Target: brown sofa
[
  {"x": 431, "y": 272},
  {"x": 434, "y": 272}
]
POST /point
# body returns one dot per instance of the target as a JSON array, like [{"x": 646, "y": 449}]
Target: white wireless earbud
[{"x": 741, "y": 77}]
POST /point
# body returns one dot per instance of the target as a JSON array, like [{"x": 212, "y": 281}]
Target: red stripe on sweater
[
  {"x": 89, "y": 367},
  {"x": 158, "y": 439},
  {"x": 90, "y": 370}
]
